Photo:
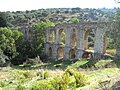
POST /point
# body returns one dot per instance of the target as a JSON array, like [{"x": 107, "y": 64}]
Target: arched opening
[
  {"x": 89, "y": 40},
  {"x": 73, "y": 39},
  {"x": 61, "y": 37},
  {"x": 72, "y": 54},
  {"x": 50, "y": 52},
  {"x": 25, "y": 32},
  {"x": 60, "y": 52},
  {"x": 109, "y": 45},
  {"x": 51, "y": 36}
]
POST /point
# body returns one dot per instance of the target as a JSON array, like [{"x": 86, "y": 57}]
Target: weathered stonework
[{"x": 76, "y": 39}]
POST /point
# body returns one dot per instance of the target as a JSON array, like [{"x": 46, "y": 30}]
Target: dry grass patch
[
  {"x": 4, "y": 75},
  {"x": 57, "y": 72},
  {"x": 111, "y": 51}
]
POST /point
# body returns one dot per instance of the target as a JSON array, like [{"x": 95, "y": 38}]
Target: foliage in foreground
[
  {"x": 27, "y": 80},
  {"x": 61, "y": 82},
  {"x": 71, "y": 79}
]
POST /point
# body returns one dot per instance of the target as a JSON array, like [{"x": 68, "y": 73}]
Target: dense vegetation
[
  {"x": 58, "y": 15},
  {"x": 82, "y": 74},
  {"x": 28, "y": 72},
  {"x": 16, "y": 46},
  {"x": 11, "y": 42},
  {"x": 115, "y": 32}
]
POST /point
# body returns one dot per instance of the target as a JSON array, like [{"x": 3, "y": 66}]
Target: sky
[{"x": 22, "y": 5}]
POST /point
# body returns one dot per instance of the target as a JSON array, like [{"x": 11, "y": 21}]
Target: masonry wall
[{"x": 76, "y": 39}]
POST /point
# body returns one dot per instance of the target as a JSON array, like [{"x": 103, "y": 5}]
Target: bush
[
  {"x": 19, "y": 59},
  {"x": 33, "y": 61},
  {"x": 2, "y": 84},
  {"x": 20, "y": 87},
  {"x": 80, "y": 79},
  {"x": 41, "y": 85},
  {"x": 27, "y": 74},
  {"x": 61, "y": 83},
  {"x": 56, "y": 83},
  {"x": 46, "y": 74},
  {"x": 70, "y": 70},
  {"x": 66, "y": 80},
  {"x": 43, "y": 75}
]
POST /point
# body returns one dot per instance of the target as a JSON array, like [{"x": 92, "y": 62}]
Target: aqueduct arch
[
  {"x": 86, "y": 37},
  {"x": 50, "y": 52},
  {"x": 61, "y": 36},
  {"x": 76, "y": 39},
  {"x": 60, "y": 52},
  {"x": 72, "y": 53}
]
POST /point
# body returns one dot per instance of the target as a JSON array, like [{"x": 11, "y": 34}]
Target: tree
[
  {"x": 115, "y": 32},
  {"x": 3, "y": 20},
  {"x": 39, "y": 36},
  {"x": 10, "y": 41}
]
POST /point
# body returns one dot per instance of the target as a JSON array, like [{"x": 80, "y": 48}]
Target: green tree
[
  {"x": 39, "y": 36},
  {"x": 115, "y": 32},
  {"x": 10, "y": 41}
]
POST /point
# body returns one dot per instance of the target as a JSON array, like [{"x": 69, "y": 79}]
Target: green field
[{"x": 61, "y": 75}]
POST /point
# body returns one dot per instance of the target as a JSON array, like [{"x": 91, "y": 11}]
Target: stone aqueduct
[{"x": 76, "y": 39}]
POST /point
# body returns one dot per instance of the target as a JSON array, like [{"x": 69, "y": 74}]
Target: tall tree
[
  {"x": 39, "y": 36},
  {"x": 115, "y": 32},
  {"x": 10, "y": 41}
]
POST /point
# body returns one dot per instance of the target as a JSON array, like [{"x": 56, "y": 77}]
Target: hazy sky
[{"x": 17, "y": 5}]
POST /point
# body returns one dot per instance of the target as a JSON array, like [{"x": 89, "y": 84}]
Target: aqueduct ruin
[{"x": 69, "y": 41}]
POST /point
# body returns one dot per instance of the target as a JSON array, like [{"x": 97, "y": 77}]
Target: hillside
[{"x": 58, "y": 15}]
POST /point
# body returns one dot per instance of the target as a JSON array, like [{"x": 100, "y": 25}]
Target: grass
[
  {"x": 79, "y": 63},
  {"x": 102, "y": 63},
  {"x": 11, "y": 77}
]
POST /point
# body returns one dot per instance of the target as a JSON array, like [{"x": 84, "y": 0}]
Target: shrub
[
  {"x": 2, "y": 84},
  {"x": 43, "y": 75},
  {"x": 56, "y": 83},
  {"x": 65, "y": 80},
  {"x": 33, "y": 61},
  {"x": 61, "y": 83},
  {"x": 20, "y": 87},
  {"x": 80, "y": 79},
  {"x": 46, "y": 75},
  {"x": 72, "y": 85},
  {"x": 18, "y": 59},
  {"x": 41, "y": 85},
  {"x": 27, "y": 74},
  {"x": 70, "y": 70}
]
